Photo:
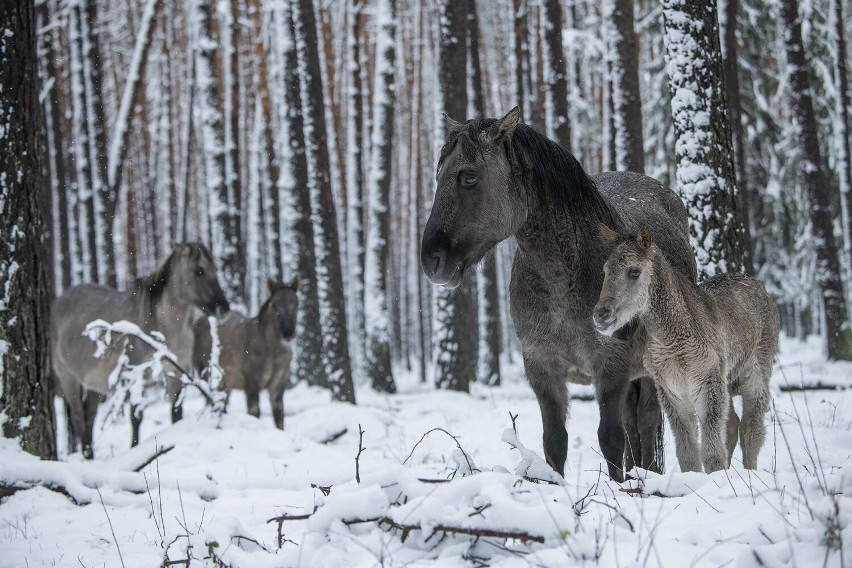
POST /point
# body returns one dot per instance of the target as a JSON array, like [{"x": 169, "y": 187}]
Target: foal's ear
[
  {"x": 643, "y": 238},
  {"x": 607, "y": 236},
  {"x": 295, "y": 283},
  {"x": 505, "y": 127},
  {"x": 179, "y": 247},
  {"x": 451, "y": 125},
  {"x": 271, "y": 285}
]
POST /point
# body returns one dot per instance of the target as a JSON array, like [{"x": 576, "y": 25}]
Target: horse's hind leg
[
  {"x": 733, "y": 429},
  {"x": 552, "y": 394},
  {"x": 712, "y": 403},
  {"x": 90, "y": 403}
]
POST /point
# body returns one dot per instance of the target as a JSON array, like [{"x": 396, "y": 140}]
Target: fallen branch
[
  {"x": 9, "y": 490},
  {"x": 161, "y": 452},
  {"x": 334, "y": 437}
]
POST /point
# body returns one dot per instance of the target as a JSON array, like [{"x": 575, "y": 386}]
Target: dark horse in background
[
  {"x": 164, "y": 301},
  {"x": 497, "y": 178}
]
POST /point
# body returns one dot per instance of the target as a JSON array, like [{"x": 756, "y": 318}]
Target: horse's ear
[
  {"x": 295, "y": 283},
  {"x": 271, "y": 285},
  {"x": 179, "y": 247},
  {"x": 451, "y": 125},
  {"x": 643, "y": 238},
  {"x": 506, "y": 126},
  {"x": 607, "y": 236}
]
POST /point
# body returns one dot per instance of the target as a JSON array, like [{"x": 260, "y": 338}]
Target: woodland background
[{"x": 299, "y": 136}]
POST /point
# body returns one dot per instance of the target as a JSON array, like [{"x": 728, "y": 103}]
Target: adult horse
[
  {"x": 497, "y": 178},
  {"x": 163, "y": 301}
]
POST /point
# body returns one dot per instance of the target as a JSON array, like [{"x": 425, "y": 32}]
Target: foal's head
[
  {"x": 283, "y": 306},
  {"x": 191, "y": 273},
  {"x": 475, "y": 205},
  {"x": 625, "y": 294}
]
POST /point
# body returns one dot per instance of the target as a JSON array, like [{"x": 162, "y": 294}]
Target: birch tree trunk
[
  {"x": 378, "y": 357},
  {"x": 330, "y": 276},
  {"x": 838, "y": 336},
  {"x": 705, "y": 164},
  {"x": 25, "y": 395}
]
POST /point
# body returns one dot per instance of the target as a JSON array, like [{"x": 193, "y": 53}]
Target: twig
[
  {"x": 161, "y": 452},
  {"x": 334, "y": 437},
  {"x": 456, "y": 440},
  {"x": 112, "y": 530},
  {"x": 361, "y": 448}
]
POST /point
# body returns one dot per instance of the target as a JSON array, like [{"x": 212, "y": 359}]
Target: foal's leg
[
  {"x": 756, "y": 397},
  {"x": 552, "y": 393},
  {"x": 682, "y": 422},
  {"x": 713, "y": 401}
]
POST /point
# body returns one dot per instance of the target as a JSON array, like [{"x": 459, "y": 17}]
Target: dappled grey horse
[
  {"x": 255, "y": 352},
  {"x": 162, "y": 301},
  {"x": 497, "y": 178},
  {"x": 704, "y": 342}
]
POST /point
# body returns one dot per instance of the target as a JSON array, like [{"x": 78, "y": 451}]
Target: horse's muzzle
[{"x": 439, "y": 266}]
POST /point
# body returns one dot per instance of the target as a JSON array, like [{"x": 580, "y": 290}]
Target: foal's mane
[{"x": 543, "y": 166}]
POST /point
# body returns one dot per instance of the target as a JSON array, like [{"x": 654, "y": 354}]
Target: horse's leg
[
  {"x": 630, "y": 422},
  {"x": 733, "y": 429},
  {"x": 174, "y": 388},
  {"x": 276, "y": 399},
  {"x": 552, "y": 393},
  {"x": 76, "y": 420},
  {"x": 252, "y": 396},
  {"x": 682, "y": 421},
  {"x": 650, "y": 424},
  {"x": 712, "y": 403},
  {"x": 756, "y": 397},
  {"x": 136, "y": 415},
  {"x": 91, "y": 400},
  {"x": 610, "y": 385}
]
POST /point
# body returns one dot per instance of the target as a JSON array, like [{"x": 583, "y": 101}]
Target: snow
[{"x": 216, "y": 491}]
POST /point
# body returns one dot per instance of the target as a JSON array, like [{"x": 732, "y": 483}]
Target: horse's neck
[
  {"x": 265, "y": 321},
  {"x": 171, "y": 316},
  {"x": 672, "y": 297}
]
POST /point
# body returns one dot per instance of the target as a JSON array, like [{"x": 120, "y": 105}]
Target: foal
[{"x": 704, "y": 343}]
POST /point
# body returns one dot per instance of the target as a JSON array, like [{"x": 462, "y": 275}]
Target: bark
[
  {"x": 843, "y": 129},
  {"x": 522, "y": 59},
  {"x": 335, "y": 335},
  {"x": 309, "y": 331},
  {"x": 378, "y": 356},
  {"x": 838, "y": 336},
  {"x": 560, "y": 127},
  {"x": 623, "y": 52},
  {"x": 26, "y": 404},
  {"x": 456, "y": 319},
  {"x": 705, "y": 171},
  {"x": 735, "y": 111}
]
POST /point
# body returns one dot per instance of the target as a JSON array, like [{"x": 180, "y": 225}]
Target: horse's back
[
  {"x": 642, "y": 201},
  {"x": 72, "y": 354}
]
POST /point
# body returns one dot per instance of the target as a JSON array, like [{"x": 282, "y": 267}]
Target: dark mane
[
  {"x": 154, "y": 284},
  {"x": 542, "y": 165}
]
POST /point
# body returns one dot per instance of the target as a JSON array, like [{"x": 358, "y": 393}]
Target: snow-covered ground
[{"x": 211, "y": 498}]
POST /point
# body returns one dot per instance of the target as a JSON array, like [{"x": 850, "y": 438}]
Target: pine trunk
[
  {"x": 844, "y": 166},
  {"x": 705, "y": 170},
  {"x": 560, "y": 127},
  {"x": 25, "y": 395},
  {"x": 837, "y": 333},
  {"x": 332, "y": 302}
]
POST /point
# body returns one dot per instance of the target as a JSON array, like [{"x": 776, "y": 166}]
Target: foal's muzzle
[{"x": 604, "y": 320}]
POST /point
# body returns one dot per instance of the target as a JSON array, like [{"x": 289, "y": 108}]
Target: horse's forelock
[{"x": 469, "y": 138}]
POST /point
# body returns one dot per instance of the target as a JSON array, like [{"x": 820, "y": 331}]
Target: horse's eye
[
  {"x": 200, "y": 273},
  {"x": 634, "y": 273},
  {"x": 468, "y": 180}
]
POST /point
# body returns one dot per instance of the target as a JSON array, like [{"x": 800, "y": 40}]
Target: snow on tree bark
[
  {"x": 456, "y": 323},
  {"x": 837, "y": 333},
  {"x": 844, "y": 131},
  {"x": 329, "y": 274},
  {"x": 705, "y": 170},
  {"x": 377, "y": 290},
  {"x": 26, "y": 402}
]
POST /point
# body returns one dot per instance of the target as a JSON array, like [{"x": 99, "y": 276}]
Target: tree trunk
[
  {"x": 844, "y": 162},
  {"x": 626, "y": 104},
  {"x": 378, "y": 357},
  {"x": 559, "y": 126},
  {"x": 456, "y": 324},
  {"x": 837, "y": 333},
  {"x": 732, "y": 84},
  {"x": 705, "y": 170},
  {"x": 332, "y": 302},
  {"x": 25, "y": 395},
  {"x": 309, "y": 328}
]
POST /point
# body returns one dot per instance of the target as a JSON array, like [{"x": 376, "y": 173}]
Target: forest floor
[{"x": 210, "y": 499}]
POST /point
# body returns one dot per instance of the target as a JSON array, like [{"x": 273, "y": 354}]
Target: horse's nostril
[
  {"x": 437, "y": 259},
  {"x": 603, "y": 314}
]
